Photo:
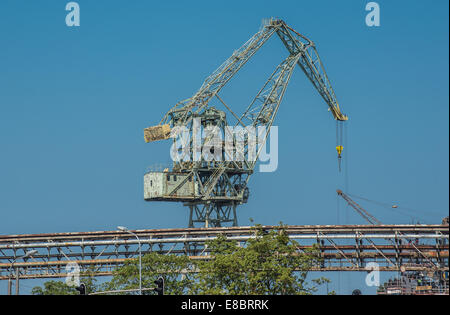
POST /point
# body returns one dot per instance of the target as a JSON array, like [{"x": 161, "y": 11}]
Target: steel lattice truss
[
  {"x": 298, "y": 46},
  {"x": 343, "y": 248}
]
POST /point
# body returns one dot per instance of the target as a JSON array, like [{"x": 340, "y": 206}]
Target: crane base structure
[{"x": 212, "y": 214}]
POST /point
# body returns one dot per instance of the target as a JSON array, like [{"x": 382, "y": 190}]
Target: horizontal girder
[{"x": 343, "y": 248}]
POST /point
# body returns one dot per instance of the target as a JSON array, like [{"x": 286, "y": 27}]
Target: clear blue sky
[{"x": 74, "y": 102}]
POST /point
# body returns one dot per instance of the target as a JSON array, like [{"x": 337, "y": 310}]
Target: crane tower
[{"x": 205, "y": 177}]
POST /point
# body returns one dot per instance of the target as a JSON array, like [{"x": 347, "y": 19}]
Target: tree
[
  {"x": 176, "y": 271},
  {"x": 269, "y": 264},
  {"x": 54, "y": 288},
  {"x": 61, "y": 288}
]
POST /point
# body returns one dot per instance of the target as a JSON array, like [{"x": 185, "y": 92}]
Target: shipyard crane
[
  {"x": 212, "y": 187},
  {"x": 362, "y": 212},
  {"x": 398, "y": 240}
]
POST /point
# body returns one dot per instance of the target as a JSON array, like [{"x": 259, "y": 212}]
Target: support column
[
  {"x": 17, "y": 281},
  {"x": 211, "y": 214},
  {"x": 235, "y": 222},
  {"x": 191, "y": 210},
  {"x": 9, "y": 285}
]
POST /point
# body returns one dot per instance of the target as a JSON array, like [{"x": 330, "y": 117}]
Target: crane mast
[{"x": 212, "y": 188}]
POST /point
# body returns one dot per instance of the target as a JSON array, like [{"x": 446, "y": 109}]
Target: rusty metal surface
[
  {"x": 343, "y": 248},
  {"x": 231, "y": 230}
]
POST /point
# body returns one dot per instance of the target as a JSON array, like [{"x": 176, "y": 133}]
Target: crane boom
[
  {"x": 217, "y": 80},
  {"x": 311, "y": 65},
  {"x": 297, "y": 45},
  {"x": 366, "y": 215}
]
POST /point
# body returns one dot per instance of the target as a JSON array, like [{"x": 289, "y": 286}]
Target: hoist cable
[{"x": 396, "y": 208}]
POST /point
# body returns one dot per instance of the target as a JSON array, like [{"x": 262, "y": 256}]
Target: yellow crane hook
[{"x": 339, "y": 150}]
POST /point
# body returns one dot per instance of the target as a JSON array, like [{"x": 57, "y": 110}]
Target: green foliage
[
  {"x": 269, "y": 263},
  {"x": 61, "y": 288},
  {"x": 54, "y": 288},
  {"x": 176, "y": 271}
]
